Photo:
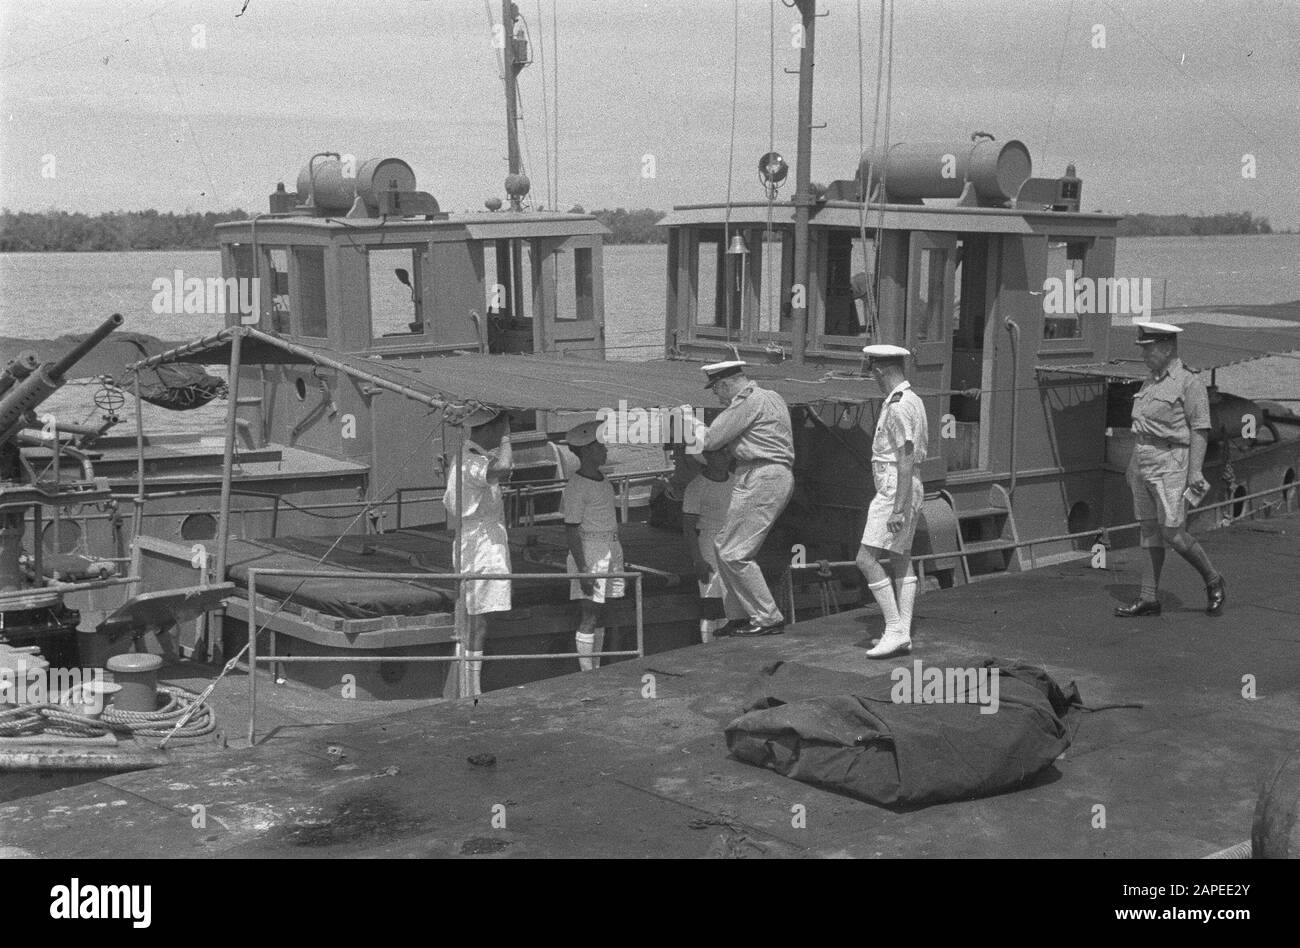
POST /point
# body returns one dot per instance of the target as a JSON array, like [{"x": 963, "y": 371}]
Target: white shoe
[{"x": 890, "y": 644}]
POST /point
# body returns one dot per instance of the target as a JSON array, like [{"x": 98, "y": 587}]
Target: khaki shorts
[
  {"x": 882, "y": 508},
  {"x": 1158, "y": 476}
]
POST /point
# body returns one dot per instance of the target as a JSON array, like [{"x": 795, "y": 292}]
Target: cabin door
[
  {"x": 932, "y": 262},
  {"x": 568, "y": 288}
]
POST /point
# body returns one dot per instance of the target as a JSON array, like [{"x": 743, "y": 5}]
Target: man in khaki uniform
[
  {"x": 755, "y": 430},
  {"x": 1171, "y": 416}
]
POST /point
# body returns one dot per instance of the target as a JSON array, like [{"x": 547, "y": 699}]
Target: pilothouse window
[
  {"x": 776, "y": 272},
  {"x": 846, "y": 255},
  {"x": 310, "y": 262},
  {"x": 574, "y": 290},
  {"x": 277, "y": 276},
  {"x": 929, "y": 295},
  {"x": 1065, "y": 262},
  {"x": 396, "y": 287}
]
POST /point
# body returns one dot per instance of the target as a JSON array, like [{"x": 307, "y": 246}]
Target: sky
[{"x": 183, "y": 105}]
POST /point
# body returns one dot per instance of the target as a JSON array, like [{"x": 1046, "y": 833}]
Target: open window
[
  {"x": 275, "y": 289},
  {"x": 719, "y": 284},
  {"x": 847, "y": 321},
  {"x": 396, "y": 291},
  {"x": 309, "y": 264},
  {"x": 773, "y": 255},
  {"x": 1065, "y": 262},
  {"x": 508, "y": 288}
]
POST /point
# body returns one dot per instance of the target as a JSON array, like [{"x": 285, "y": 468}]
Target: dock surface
[{"x": 591, "y": 765}]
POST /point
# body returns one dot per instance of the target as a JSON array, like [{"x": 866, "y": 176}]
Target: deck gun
[{"x": 25, "y": 383}]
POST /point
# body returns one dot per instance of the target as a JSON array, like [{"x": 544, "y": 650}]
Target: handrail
[
  {"x": 1061, "y": 537},
  {"x": 254, "y": 630}
]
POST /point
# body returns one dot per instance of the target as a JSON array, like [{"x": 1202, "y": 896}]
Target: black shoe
[
  {"x": 1215, "y": 594},
  {"x": 1139, "y": 607},
  {"x": 730, "y": 628},
  {"x": 751, "y": 628}
]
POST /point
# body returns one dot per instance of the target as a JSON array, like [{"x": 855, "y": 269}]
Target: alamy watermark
[
  {"x": 624, "y": 425},
  {"x": 934, "y": 685},
  {"x": 206, "y": 296},
  {"x": 82, "y": 689},
  {"x": 1126, "y": 296}
]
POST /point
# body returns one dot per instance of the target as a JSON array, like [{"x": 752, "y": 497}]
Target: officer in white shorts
[
  {"x": 897, "y": 452},
  {"x": 591, "y": 529}
]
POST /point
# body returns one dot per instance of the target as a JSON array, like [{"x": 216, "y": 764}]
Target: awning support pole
[{"x": 215, "y": 652}]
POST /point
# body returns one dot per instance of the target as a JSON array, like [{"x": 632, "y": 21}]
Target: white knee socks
[
  {"x": 474, "y": 669},
  {"x": 586, "y": 644},
  {"x": 906, "y": 600},
  {"x": 884, "y": 593}
]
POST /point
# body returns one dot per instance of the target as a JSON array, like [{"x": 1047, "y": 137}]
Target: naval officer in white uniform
[{"x": 897, "y": 452}]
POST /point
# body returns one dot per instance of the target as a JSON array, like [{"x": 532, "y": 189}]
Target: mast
[
  {"x": 514, "y": 64},
  {"x": 802, "y": 175},
  {"x": 517, "y": 56}
]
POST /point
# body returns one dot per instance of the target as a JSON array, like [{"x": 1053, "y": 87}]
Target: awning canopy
[
  {"x": 1200, "y": 346},
  {"x": 531, "y": 382}
]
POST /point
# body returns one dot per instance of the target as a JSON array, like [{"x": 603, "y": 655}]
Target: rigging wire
[
  {"x": 1056, "y": 85},
  {"x": 185, "y": 112},
  {"x": 492, "y": 29},
  {"x": 773, "y": 314},
  {"x": 1206, "y": 90},
  {"x": 731, "y": 146},
  {"x": 546, "y": 120},
  {"x": 555, "y": 97}
]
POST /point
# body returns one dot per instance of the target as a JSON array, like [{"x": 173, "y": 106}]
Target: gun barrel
[
  {"x": 18, "y": 369},
  {"x": 60, "y": 368}
]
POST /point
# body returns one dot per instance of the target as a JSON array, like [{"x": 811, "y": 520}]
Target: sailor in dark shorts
[{"x": 1171, "y": 418}]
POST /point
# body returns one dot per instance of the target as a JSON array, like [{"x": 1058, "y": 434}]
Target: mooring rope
[{"x": 56, "y": 720}]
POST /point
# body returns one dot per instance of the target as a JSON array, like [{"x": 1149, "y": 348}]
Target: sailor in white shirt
[
  {"x": 591, "y": 528},
  {"x": 476, "y": 512},
  {"x": 897, "y": 453}
]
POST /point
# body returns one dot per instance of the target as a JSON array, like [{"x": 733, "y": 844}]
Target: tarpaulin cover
[{"x": 845, "y": 733}]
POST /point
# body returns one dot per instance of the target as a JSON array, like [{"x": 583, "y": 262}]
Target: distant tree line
[
  {"x": 116, "y": 230},
  {"x": 151, "y": 230},
  {"x": 1188, "y": 225},
  {"x": 27, "y": 231},
  {"x": 633, "y": 227}
]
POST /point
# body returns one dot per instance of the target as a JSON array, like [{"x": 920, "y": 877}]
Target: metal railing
[
  {"x": 823, "y": 567},
  {"x": 254, "y": 629}
]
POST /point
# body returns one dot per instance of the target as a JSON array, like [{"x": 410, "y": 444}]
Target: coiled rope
[{"x": 54, "y": 719}]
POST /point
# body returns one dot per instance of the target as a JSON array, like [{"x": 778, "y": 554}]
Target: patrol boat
[
  {"x": 1005, "y": 292},
  {"x": 338, "y": 362}
]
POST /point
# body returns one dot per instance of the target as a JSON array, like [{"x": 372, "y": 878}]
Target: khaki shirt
[
  {"x": 754, "y": 427},
  {"x": 902, "y": 419},
  {"x": 1172, "y": 406}
]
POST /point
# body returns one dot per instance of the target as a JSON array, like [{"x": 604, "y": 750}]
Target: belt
[
  {"x": 1155, "y": 442},
  {"x": 750, "y": 465},
  {"x": 599, "y": 535}
]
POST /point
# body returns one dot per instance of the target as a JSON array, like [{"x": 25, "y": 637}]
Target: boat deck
[{"x": 588, "y": 766}]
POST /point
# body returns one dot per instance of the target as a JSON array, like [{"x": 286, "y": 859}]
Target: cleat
[
  {"x": 1215, "y": 593},
  {"x": 1139, "y": 607}
]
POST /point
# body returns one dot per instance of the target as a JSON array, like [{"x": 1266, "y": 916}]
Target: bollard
[{"x": 137, "y": 674}]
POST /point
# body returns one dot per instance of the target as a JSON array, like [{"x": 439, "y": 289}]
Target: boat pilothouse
[
  {"x": 359, "y": 260},
  {"x": 947, "y": 249}
]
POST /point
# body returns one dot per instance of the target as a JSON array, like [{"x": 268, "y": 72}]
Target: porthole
[{"x": 199, "y": 526}]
